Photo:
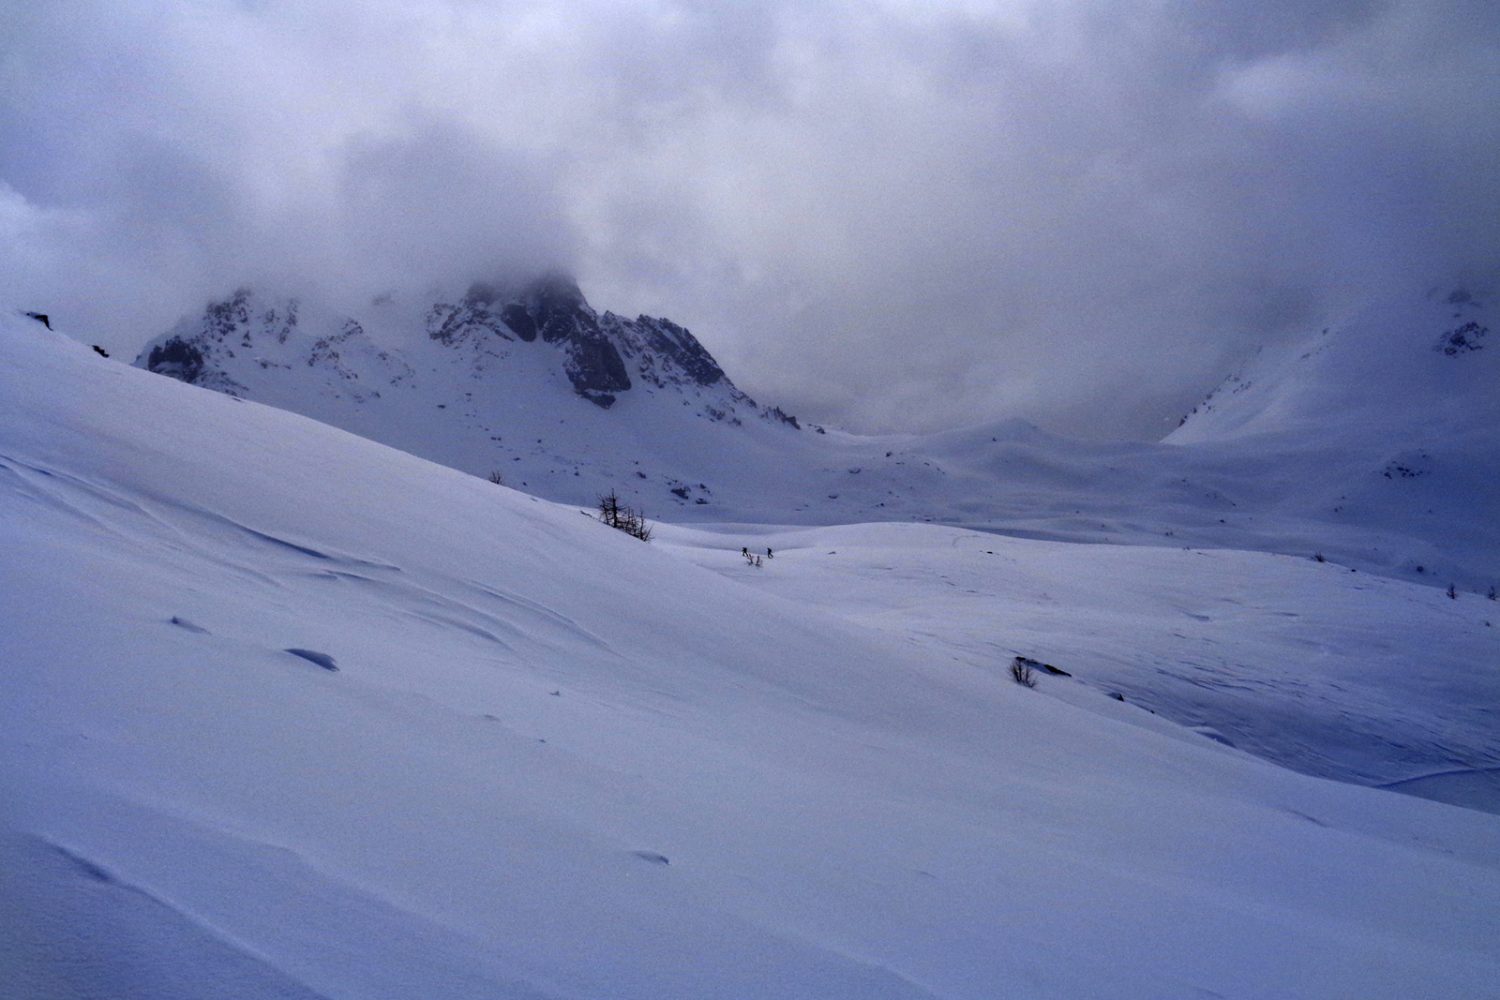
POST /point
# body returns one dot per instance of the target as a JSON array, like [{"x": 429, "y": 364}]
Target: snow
[
  {"x": 1340, "y": 674},
  {"x": 1363, "y": 441},
  {"x": 557, "y": 762}
]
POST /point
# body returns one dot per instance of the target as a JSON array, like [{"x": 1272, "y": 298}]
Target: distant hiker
[
  {"x": 40, "y": 318},
  {"x": 745, "y": 551},
  {"x": 768, "y": 552}
]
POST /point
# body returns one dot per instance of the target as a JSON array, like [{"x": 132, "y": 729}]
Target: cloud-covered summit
[{"x": 884, "y": 215}]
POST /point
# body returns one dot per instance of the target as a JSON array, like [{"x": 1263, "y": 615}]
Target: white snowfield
[
  {"x": 1330, "y": 672},
  {"x": 1374, "y": 442},
  {"x": 288, "y": 713}
]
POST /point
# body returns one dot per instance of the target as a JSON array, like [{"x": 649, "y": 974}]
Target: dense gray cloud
[{"x": 898, "y": 214}]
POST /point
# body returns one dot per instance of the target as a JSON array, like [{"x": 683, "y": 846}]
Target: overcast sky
[{"x": 887, "y": 214}]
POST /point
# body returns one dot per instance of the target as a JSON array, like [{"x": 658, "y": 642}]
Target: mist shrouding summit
[{"x": 891, "y": 215}]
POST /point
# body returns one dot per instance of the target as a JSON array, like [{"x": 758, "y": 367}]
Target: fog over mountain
[{"x": 878, "y": 215}]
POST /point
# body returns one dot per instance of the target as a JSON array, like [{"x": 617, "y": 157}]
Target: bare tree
[
  {"x": 635, "y": 525},
  {"x": 609, "y": 509},
  {"x": 622, "y": 517}
]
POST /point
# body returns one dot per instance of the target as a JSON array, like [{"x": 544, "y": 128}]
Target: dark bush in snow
[{"x": 1021, "y": 672}]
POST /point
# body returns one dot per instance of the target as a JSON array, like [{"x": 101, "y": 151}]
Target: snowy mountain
[
  {"x": 1376, "y": 444},
  {"x": 1384, "y": 431},
  {"x": 1392, "y": 371},
  {"x": 531, "y": 383},
  {"x": 293, "y": 714}
]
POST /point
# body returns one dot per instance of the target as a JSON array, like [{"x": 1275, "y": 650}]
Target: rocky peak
[
  {"x": 555, "y": 295},
  {"x": 602, "y": 355},
  {"x": 551, "y": 309},
  {"x": 605, "y": 354}
]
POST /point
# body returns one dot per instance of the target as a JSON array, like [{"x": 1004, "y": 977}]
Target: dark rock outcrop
[
  {"x": 518, "y": 319},
  {"x": 1462, "y": 339},
  {"x": 176, "y": 358},
  {"x": 555, "y": 308},
  {"x": 470, "y": 320},
  {"x": 664, "y": 353}
]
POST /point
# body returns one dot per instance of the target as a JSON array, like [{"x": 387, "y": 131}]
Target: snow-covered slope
[
  {"x": 530, "y": 383},
  {"x": 1339, "y": 674},
  {"x": 555, "y": 762},
  {"x": 1376, "y": 444},
  {"x": 1394, "y": 370},
  {"x": 1387, "y": 425}
]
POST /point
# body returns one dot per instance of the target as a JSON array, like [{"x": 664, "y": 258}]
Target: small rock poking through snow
[{"x": 313, "y": 656}]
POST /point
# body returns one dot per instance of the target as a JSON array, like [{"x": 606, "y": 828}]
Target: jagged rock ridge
[{"x": 602, "y": 355}]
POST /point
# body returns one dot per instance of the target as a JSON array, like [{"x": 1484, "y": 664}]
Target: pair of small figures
[{"x": 752, "y": 558}]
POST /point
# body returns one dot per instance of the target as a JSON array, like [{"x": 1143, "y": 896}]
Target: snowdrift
[{"x": 288, "y": 713}]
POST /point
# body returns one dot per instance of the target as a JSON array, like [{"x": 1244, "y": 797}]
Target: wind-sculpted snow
[
  {"x": 851, "y": 796},
  {"x": 136, "y": 942},
  {"x": 313, "y": 656},
  {"x": 1338, "y": 674}
]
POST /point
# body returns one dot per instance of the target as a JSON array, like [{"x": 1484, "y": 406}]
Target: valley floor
[{"x": 1312, "y": 665}]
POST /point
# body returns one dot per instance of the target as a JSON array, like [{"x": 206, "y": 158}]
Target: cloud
[{"x": 887, "y": 215}]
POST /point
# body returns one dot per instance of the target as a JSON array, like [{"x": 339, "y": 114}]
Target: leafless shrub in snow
[
  {"x": 1021, "y": 673},
  {"x": 623, "y": 518}
]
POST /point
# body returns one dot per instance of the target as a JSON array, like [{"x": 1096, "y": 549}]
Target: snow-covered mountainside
[
  {"x": 1376, "y": 445},
  {"x": 1384, "y": 431},
  {"x": 531, "y": 383},
  {"x": 292, "y": 714},
  {"x": 1367, "y": 379}
]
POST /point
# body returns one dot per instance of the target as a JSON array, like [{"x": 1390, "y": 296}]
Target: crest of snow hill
[{"x": 602, "y": 356}]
